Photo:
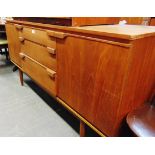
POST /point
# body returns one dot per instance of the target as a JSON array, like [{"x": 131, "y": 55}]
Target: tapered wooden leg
[
  {"x": 21, "y": 77},
  {"x": 82, "y": 129}
]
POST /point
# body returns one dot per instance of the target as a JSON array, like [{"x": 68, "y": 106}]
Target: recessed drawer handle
[
  {"x": 51, "y": 73},
  {"x": 21, "y": 39},
  {"x": 22, "y": 56},
  {"x": 51, "y": 50},
  {"x": 19, "y": 27}
]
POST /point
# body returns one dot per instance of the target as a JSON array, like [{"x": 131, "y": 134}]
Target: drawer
[
  {"x": 38, "y": 36},
  {"x": 45, "y": 77},
  {"x": 44, "y": 55}
]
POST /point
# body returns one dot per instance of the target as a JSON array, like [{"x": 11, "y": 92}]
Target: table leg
[
  {"x": 82, "y": 129},
  {"x": 21, "y": 77}
]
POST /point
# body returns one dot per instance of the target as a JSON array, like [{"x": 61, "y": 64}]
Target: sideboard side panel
[{"x": 13, "y": 43}]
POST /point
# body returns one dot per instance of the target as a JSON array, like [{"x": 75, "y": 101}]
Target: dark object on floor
[
  {"x": 142, "y": 120},
  {"x": 3, "y": 42},
  {"x": 15, "y": 68},
  {"x": 4, "y": 48},
  {"x": 125, "y": 131}
]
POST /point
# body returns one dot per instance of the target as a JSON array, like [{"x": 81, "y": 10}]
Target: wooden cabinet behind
[
  {"x": 81, "y": 21},
  {"x": 13, "y": 43},
  {"x": 152, "y": 21}
]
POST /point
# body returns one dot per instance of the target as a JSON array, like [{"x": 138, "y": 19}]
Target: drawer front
[
  {"x": 42, "y": 75},
  {"x": 38, "y": 36},
  {"x": 44, "y": 55}
]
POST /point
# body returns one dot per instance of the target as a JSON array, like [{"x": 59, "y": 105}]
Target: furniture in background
[
  {"x": 82, "y": 21},
  {"x": 142, "y": 120},
  {"x": 152, "y": 21},
  {"x": 3, "y": 41},
  {"x": 70, "y": 21},
  {"x": 99, "y": 73}
]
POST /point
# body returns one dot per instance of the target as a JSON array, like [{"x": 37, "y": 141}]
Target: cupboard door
[
  {"x": 90, "y": 76},
  {"x": 13, "y": 43}
]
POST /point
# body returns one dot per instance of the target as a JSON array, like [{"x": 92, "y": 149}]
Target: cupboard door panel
[{"x": 90, "y": 79}]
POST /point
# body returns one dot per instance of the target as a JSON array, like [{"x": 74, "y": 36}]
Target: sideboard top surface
[
  {"x": 129, "y": 32},
  {"x": 134, "y": 31}
]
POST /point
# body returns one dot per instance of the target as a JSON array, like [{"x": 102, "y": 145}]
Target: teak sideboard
[{"x": 99, "y": 73}]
